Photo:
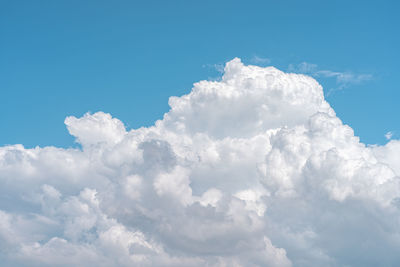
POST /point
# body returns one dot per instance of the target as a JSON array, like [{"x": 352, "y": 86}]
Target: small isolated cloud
[
  {"x": 343, "y": 79},
  {"x": 255, "y": 169},
  {"x": 389, "y": 135}
]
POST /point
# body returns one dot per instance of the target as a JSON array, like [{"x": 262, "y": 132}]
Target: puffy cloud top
[
  {"x": 97, "y": 128},
  {"x": 252, "y": 170},
  {"x": 248, "y": 100}
]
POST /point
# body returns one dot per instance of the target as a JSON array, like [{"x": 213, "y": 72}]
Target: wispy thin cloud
[
  {"x": 260, "y": 60},
  {"x": 303, "y": 67},
  {"x": 343, "y": 79},
  {"x": 217, "y": 66},
  {"x": 389, "y": 135}
]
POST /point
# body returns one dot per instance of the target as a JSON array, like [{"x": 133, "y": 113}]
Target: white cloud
[
  {"x": 343, "y": 79},
  {"x": 389, "y": 135},
  {"x": 303, "y": 67},
  {"x": 97, "y": 128},
  {"x": 217, "y": 66},
  {"x": 251, "y": 170},
  {"x": 260, "y": 60}
]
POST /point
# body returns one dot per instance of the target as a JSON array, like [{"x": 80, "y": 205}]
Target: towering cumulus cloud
[{"x": 252, "y": 170}]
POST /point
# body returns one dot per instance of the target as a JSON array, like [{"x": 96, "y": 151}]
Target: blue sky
[{"x": 60, "y": 58}]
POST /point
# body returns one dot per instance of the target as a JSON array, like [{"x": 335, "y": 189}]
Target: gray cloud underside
[{"x": 252, "y": 170}]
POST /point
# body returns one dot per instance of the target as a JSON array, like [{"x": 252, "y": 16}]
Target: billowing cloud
[{"x": 251, "y": 170}]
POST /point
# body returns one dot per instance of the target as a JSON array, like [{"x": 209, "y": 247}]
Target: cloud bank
[{"x": 252, "y": 170}]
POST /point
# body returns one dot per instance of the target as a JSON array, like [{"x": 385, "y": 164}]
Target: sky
[
  {"x": 190, "y": 134},
  {"x": 61, "y": 58}
]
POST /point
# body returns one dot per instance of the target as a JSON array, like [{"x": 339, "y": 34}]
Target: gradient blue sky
[{"x": 60, "y": 58}]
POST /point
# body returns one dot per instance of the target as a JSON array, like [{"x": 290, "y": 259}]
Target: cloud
[
  {"x": 260, "y": 60},
  {"x": 253, "y": 170},
  {"x": 389, "y": 135},
  {"x": 304, "y": 67},
  {"x": 343, "y": 79},
  {"x": 218, "y": 67}
]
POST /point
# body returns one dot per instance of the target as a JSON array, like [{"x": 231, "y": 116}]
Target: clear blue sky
[{"x": 60, "y": 58}]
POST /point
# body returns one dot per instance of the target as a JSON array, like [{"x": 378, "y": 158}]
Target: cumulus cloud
[{"x": 253, "y": 170}]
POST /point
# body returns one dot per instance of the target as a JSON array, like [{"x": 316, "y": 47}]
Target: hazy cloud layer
[{"x": 252, "y": 170}]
